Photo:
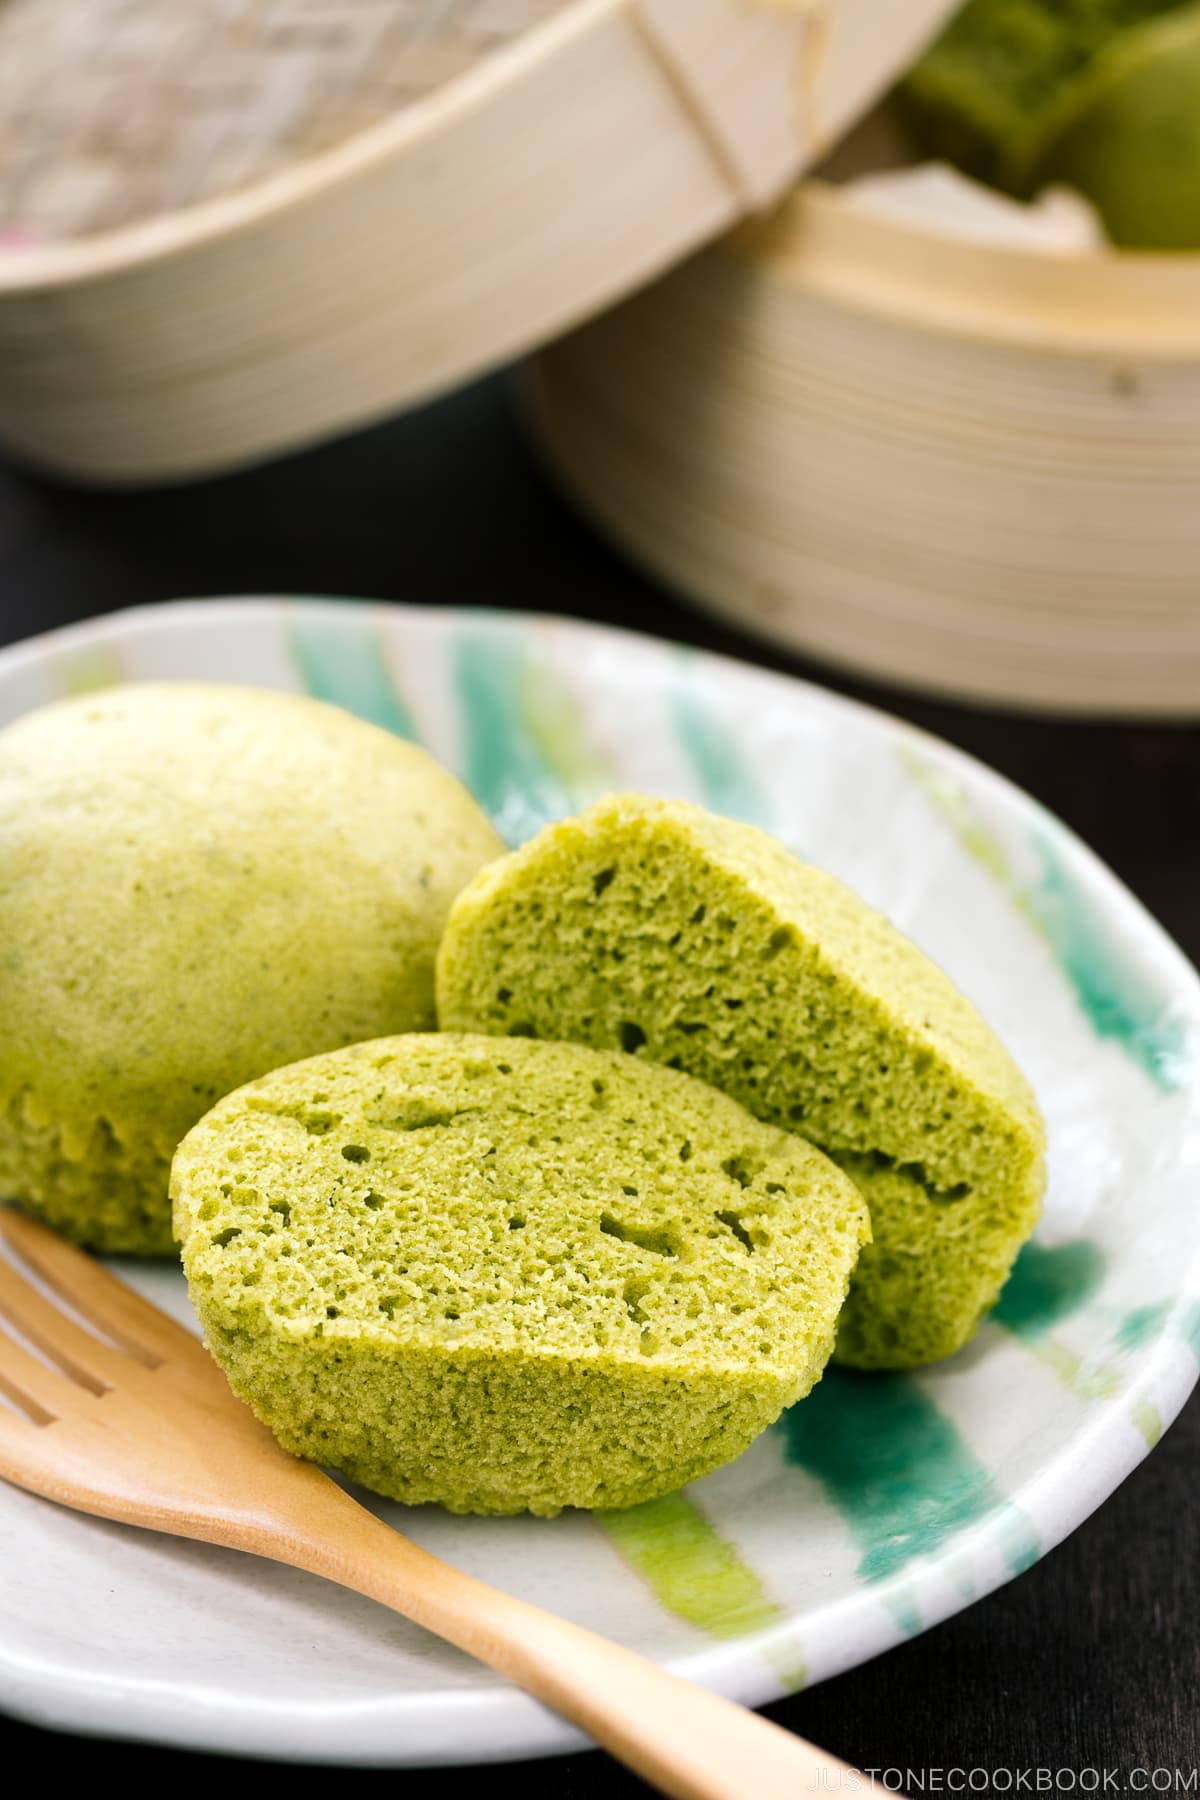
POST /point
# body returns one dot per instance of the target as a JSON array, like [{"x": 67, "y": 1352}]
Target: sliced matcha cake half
[
  {"x": 701, "y": 943},
  {"x": 507, "y": 1275}
]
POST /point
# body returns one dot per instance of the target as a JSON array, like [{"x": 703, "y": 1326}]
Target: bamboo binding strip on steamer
[
  {"x": 966, "y": 469},
  {"x": 348, "y": 232}
]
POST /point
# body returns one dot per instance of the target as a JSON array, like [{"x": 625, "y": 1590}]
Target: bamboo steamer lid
[
  {"x": 266, "y": 221},
  {"x": 967, "y": 469}
]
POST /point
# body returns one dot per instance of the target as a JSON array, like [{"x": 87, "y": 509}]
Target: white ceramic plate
[{"x": 879, "y": 1505}]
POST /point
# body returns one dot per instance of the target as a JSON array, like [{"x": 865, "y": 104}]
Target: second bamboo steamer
[{"x": 964, "y": 469}]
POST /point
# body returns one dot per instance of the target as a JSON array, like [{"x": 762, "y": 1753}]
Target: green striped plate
[{"x": 879, "y": 1505}]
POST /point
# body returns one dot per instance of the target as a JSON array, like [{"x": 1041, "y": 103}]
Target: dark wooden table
[{"x": 1092, "y": 1660}]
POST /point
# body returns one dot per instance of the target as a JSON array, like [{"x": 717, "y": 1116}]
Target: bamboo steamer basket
[
  {"x": 968, "y": 470},
  {"x": 562, "y": 163}
]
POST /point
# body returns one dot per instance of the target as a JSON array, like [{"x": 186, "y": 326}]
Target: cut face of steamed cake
[
  {"x": 507, "y": 1275},
  {"x": 198, "y": 883},
  {"x": 701, "y": 943}
]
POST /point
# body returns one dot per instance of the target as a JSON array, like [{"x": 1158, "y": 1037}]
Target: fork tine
[
  {"x": 142, "y": 1330},
  {"x": 41, "y": 1393},
  {"x": 76, "y": 1352}
]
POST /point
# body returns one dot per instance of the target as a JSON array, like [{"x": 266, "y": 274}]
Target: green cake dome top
[
  {"x": 499, "y": 1273},
  {"x": 197, "y": 883}
]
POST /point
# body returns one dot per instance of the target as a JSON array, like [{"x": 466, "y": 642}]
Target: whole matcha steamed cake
[
  {"x": 984, "y": 90},
  {"x": 506, "y": 1275},
  {"x": 196, "y": 884},
  {"x": 702, "y": 943},
  {"x": 1101, "y": 94}
]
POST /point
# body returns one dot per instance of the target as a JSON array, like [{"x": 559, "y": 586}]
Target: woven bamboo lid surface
[
  {"x": 113, "y": 111},
  {"x": 532, "y": 162},
  {"x": 963, "y": 467}
]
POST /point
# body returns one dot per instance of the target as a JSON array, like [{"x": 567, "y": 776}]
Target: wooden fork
[{"x": 143, "y": 1428}]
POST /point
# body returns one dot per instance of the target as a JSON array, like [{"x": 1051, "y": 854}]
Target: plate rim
[{"x": 522, "y": 1728}]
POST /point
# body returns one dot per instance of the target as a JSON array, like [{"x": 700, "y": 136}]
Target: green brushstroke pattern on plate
[
  {"x": 1048, "y": 1283},
  {"x": 726, "y": 779},
  {"x": 692, "y": 1570},
  {"x": 88, "y": 671},
  {"x": 343, "y": 661},
  {"x": 896, "y": 1468},
  {"x": 1113, "y": 992},
  {"x": 517, "y": 761},
  {"x": 550, "y": 716}
]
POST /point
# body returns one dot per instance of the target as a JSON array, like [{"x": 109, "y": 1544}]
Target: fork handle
[{"x": 684, "y": 1740}]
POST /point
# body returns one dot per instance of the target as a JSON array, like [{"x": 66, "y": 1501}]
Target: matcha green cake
[
  {"x": 698, "y": 942},
  {"x": 196, "y": 884},
  {"x": 1103, "y": 94},
  {"x": 507, "y": 1275}
]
